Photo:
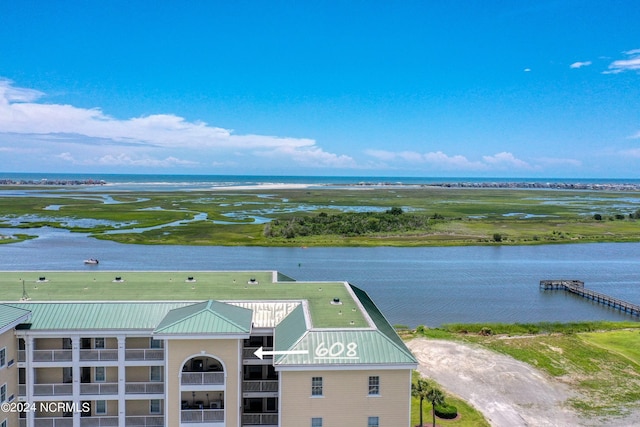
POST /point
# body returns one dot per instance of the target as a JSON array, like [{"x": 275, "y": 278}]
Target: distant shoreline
[{"x": 241, "y": 184}]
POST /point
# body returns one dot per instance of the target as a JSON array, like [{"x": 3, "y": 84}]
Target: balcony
[
  {"x": 99, "y": 388},
  {"x": 248, "y": 353},
  {"x": 50, "y": 356},
  {"x": 142, "y": 354},
  {"x": 98, "y": 421},
  {"x": 260, "y": 386},
  {"x": 65, "y": 389},
  {"x": 103, "y": 355},
  {"x": 202, "y": 378},
  {"x": 260, "y": 419},
  {"x": 144, "y": 388},
  {"x": 144, "y": 421},
  {"x": 52, "y": 422},
  {"x": 202, "y": 416}
]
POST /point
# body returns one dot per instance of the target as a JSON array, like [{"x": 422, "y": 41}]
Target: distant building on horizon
[{"x": 201, "y": 349}]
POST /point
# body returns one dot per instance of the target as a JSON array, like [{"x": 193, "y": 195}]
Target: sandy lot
[{"x": 509, "y": 393}]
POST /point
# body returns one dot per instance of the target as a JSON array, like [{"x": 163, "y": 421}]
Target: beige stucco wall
[
  {"x": 224, "y": 350},
  {"x": 137, "y": 342},
  {"x": 345, "y": 399},
  {"x": 141, "y": 407},
  {"x": 9, "y": 374},
  {"x": 48, "y": 376}
]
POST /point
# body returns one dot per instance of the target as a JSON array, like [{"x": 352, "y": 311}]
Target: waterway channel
[{"x": 412, "y": 286}]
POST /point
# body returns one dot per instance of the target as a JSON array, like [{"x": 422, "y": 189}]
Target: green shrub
[{"x": 446, "y": 412}]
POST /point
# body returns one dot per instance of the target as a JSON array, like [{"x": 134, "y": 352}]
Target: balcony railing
[
  {"x": 21, "y": 356},
  {"x": 248, "y": 353},
  {"x": 144, "y": 354},
  {"x": 260, "y": 419},
  {"x": 260, "y": 386},
  {"x": 144, "y": 421},
  {"x": 22, "y": 389},
  {"x": 52, "y": 389},
  {"x": 202, "y": 415},
  {"x": 99, "y": 388},
  {"x": 98, "y": 421},
  {"x": 99, "y": 354},
  {"x": 51, "y": 356},
  {"x": 198, "y": 378},
  {"x": 144, "y": 388},
  {"x": 53, "y": 422}
]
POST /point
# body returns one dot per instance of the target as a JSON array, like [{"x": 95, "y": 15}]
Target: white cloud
[
  {"x": 633, "y": 152},
  {"x": 442, "y": 161},
  {"x": 91, "y": 137},
  {"x": 580, "y": 64},
  {"x": 632, "y": 63}
]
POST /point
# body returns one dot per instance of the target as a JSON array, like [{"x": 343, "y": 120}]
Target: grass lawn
[{"x": 602, "y": 365}]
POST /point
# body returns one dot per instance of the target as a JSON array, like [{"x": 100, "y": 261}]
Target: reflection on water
[{"x": 411, "y": 285}]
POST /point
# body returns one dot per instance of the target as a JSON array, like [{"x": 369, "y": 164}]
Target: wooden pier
[{"x": 577, "y": 287}]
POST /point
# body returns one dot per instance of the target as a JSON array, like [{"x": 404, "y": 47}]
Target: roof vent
[
  {"x": 118, "y": 279},
  {"x": 336, "y": 301},
  {"x": 42, "y": 279},
  {"x": 190, "y": 279},
  {"x": 253, "y": 281}
]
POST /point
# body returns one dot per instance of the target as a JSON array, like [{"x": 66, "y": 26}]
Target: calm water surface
[{"x": 412, "y": 286}]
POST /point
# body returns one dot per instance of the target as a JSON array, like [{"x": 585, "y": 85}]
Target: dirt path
[{"x": 509, "y": 393}]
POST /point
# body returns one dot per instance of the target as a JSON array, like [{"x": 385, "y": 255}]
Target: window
[
  {"x": 101, "y": 407},
  {"x": 373, "y": 422},
  {"x": 3, "y": 424},
  {"x": 3, "y": 357},
  {"x": 316, "y": 387},
  {"x": 3, "y": 392},
  {"x": 316, "y": 422},
  {"x": 155, "y": 343},
  {"x": 100, "y": 376},
  {"x": 374, "y": 386},
  {"x": 155, "y": 373},
  {"x": 154, "y": 406},
  {"x": 99, "y": 342}
]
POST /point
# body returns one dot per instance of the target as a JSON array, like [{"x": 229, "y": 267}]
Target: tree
[
  {"x": 436, "y": 397},
  {"x": 420, "y": 389}
]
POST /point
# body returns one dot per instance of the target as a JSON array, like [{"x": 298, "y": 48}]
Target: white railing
[
  {"x": 144, "y": 354},
  {"x": 99, "y": 388},
  {"x": 261, "y": 385},
  {"x": 144, "y": 421},
  {"x": 98, "y": 421},
  {"x": 53, "y": 422},
  {"x": 144, "y": 388},
  {"x": 99, "y": 354},
  {"x": 51, "y": 355},
  {"x": 260, "y": 419},
  {"x": 52, "y": 389},
  {"x": 202, "y": 415},
  {"x": 197, "y": 378}
]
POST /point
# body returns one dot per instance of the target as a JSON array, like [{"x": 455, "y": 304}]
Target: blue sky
[{"x": 445, "y": 89}]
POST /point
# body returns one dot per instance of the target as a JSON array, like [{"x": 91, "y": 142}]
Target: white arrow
[{"x": 260, "y": 352}]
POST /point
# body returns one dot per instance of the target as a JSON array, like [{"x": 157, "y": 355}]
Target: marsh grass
[{"x": 465, "y": 216}]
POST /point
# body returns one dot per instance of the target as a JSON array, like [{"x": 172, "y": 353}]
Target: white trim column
[
  {"x": 30, "y": 375},
  {"x": 75, "y": 373},
  {"x": 122, "y": 380}
]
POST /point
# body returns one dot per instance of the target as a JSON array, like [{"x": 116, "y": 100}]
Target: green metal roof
[
  {"x": 9, "y": 316},
  {"x": 95, "y": 315},
  {"x": 209, "y": 317},
  {"x": 290, "y": 330},
  {"x": 345, "y": 347}
]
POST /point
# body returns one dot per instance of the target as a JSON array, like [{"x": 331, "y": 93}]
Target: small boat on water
[{"x": 91, "y": 261}]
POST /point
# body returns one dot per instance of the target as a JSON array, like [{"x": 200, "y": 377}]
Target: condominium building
[{"x": 203, "y": 348}]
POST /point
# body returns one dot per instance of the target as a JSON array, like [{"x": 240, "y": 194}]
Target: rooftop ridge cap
[
  {"x": 208, "y": 308},
  {"x": 365, "y": 312}
]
